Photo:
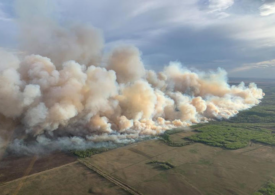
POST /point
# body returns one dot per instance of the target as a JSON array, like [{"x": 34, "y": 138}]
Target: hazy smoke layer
[{"x": 75, "y": 98}]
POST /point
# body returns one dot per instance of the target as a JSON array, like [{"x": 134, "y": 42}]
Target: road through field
[{"x": 109, "y": 177}]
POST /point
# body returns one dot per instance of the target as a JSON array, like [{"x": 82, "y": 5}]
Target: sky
[{"x": 236, "y": 35}]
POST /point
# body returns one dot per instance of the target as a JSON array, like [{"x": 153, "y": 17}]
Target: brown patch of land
[
  {"x": 13, "y": 167},
  {"x": 69, "y": 179},
  {"x": 199, "y": 169},
  {"x": 107, "y": 176}
]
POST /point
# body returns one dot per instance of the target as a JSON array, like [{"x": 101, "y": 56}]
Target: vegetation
[
  {"x": 174, "y": 131},
  {"x": 204, "y": 162},
  {"x": 161, "y": 165},
  {"x": 166, "y": 139},
  {"x": 193, "y": 151},
  {"x": 269, "y": 189},
  {"x": 231, "y": 136},
  {"x": 89, "y": 152},
  {"x": 90, "y": 191}
]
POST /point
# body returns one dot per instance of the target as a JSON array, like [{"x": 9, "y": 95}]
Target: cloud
[
  {"x": 147, "y": 6},
  {"x": 226, "y": 44},
  {"x": 260, "y": 35},
  {"x": 215, "y": 9},
  {"x": 268, "y": 8},
  {"x": 201, "y": 33},
  {"x": 3, "y": 15},
  {"x": 263, "y": 64},
  {"x": 220, "y": 5}
]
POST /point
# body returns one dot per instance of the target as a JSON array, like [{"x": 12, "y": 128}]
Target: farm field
[
  {"x": 73, "y": 178},
  {"x": 199, "y": 169},
  {"x": 13, "y": 167}
]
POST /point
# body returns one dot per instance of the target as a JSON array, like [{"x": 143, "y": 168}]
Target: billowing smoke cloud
[
  {"x": 68, "y": 94},
  {"x": 40, "y": 34},
  {"x": 83, "y": 44}
]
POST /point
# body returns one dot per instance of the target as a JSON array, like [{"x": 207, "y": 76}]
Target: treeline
[
  {"x": 88, "y": 152},
  {"x": 166, "y": 139},
  {"x": 268, "y": 189},
  {"x": 252, "y": 116},
  {"x": 232, "y": 137},
  {"x": 161, "y": 164}
]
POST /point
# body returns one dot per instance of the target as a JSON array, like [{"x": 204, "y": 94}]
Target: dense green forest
[{"x": 231, "y": 136}]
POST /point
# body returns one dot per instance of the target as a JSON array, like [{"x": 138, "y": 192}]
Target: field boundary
[
  {"x": 39, "y": 173},
  {"x": 114, "y": 180}
]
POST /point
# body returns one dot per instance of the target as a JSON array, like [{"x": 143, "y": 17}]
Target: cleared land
[
  {"x": 199, "y": 169},
  {"x": 107, "y": 176},
  {"x": 69, "y": 179},
  {"x": 15, "y": 167}
]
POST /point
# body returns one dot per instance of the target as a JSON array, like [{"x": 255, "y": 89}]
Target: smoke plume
[{"x": 66, "y": 93}]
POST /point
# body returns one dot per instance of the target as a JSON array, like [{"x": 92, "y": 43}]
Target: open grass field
[{"x": 198, "y": 169}]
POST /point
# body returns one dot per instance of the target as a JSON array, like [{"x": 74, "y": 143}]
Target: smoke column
[{"x": 66, "y": 93}]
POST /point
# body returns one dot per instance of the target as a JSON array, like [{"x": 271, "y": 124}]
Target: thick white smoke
[
  {"x": 66, "y": 93},
  {"x": 85, "y": 104}
]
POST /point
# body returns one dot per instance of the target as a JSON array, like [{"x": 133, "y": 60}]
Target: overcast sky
[{"x": 237, "y": 35}]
